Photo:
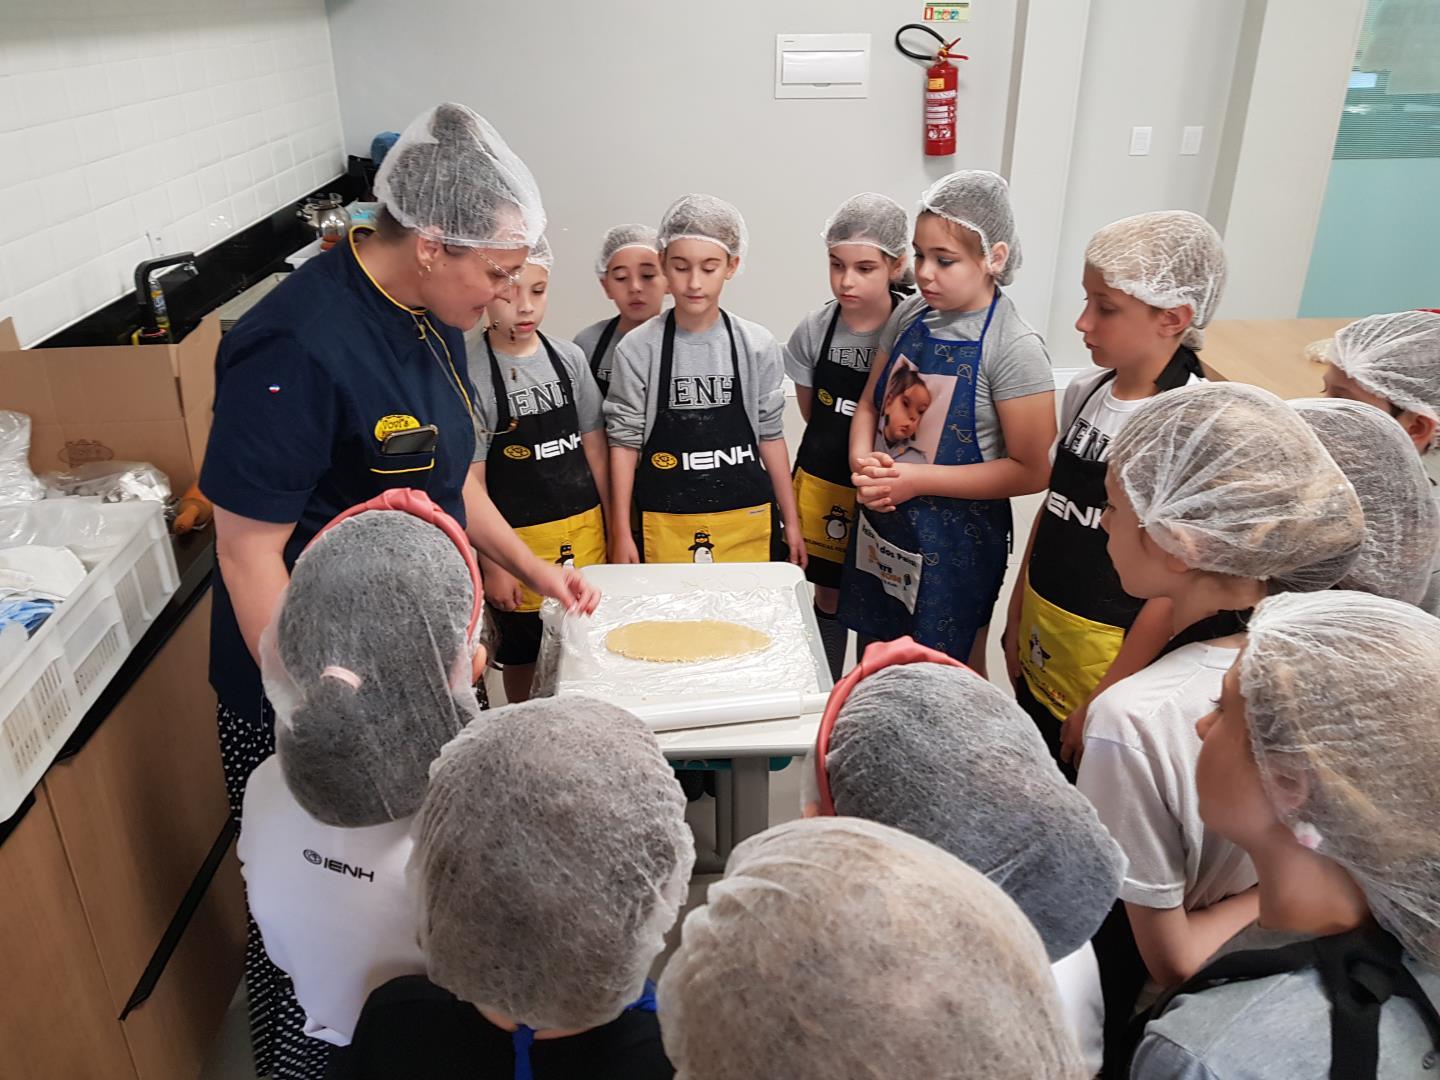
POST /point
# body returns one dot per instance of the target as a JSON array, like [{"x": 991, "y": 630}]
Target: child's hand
[
  {"x": 567, "y": 585},
  {"x": 796, "y": 543},
  {"x": 502, "y": 588},
  {"x": 623, "y": 549},
  {"x": 877, "y": 460},
  {"x": 884, "y": 489},
  {"x": 1072, "y": 736}
]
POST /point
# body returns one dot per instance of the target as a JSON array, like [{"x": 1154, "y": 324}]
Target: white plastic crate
[{"x": 47, "y": 689}]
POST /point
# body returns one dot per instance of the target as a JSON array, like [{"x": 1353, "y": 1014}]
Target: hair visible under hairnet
[
  {"x": 551, "y": 857},
  {"x": 704, "y": 217},
  {"x": 1229, "y": 479},
  {"x": 945, "y": 755},
  {"x": 980, "y": 201},
  {"x": 868, "y": 218},
  {"x": 621, "y": 237},
  {"x": 1394, "y": 356},
  {"x": 1402, "y": 521},
  {"x": 1167, "y": 259},
  {"x": 835, "y": 947},
  {"x": 541, "y": 255},
  {"x": 367, "y": 666},
  {"x": 452, "y": 176},
  {"x": 1339, "y": 692}
]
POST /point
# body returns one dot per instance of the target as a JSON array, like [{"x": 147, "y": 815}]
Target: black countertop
[{"x": 195, "y": 559}]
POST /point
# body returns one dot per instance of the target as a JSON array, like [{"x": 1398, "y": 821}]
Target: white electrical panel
[{"x": 822, "y": 65}]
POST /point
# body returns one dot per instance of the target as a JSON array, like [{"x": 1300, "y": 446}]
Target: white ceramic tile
[
  {"x": 169, "y": 116},
  {"x": 199, "y": 110},
  {"x": 247, "y": 208},
  {"x": 142, "y": 170},
  {"x": 99, "y": 136},
  {"x": 127, "y": 81},
  {"x": 106, "y": 181},
  {"x": 161, "y": 77},
  {"x": 66, "y": 196},
  {"x": 52, "y": 148},
  {"x": 136, "y": 124},
  {"x": 75, "y": 241},
  {"x": 205, "y": 147},
  {"x": 184, "y": 195},
  {"x": 9, "y": 103},
  {"x": 15, "y": 163},
  {"x": 237, "y": 174},
  {"x": 22, "y": 212},
  {"x": 116, "y": 225},
  {"x": 88, "y": 89},
  {"x": 153, "y": 209}
]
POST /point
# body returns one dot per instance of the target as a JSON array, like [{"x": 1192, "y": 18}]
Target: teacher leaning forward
[{"x": 348, "y": 379}]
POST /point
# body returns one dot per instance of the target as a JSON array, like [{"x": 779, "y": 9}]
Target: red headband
[
  {"x": 418, "y": 504},
  {"x": 880, "y": 655}
]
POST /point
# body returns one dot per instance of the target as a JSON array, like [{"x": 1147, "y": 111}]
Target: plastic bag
[
  {"x": 17, "y": 482},
  {"x": 112, "y": 481}
]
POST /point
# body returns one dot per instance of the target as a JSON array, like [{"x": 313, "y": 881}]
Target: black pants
[{"x": 1050, "y": 729}]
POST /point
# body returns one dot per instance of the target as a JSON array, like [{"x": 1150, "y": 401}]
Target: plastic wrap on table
[
  {"x": 787, "y": 664},
  {"x": 112, "y": 481},
  {"x": 17, "y": 483},
  {"x": 78, "y": 524}
]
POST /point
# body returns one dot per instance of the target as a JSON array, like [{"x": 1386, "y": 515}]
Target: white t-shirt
[
  {"x": 1077, "y": 977},
  {"x": 331, "y": 904},
  {"x": 1089, "y": 421},
  {"x": 1139, "y": 771}
]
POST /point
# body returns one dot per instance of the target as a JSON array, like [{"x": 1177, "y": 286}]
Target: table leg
[{"x": 750, "y": 797}]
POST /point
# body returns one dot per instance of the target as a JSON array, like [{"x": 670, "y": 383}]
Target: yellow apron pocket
[
  {"x": 1063, "y": 656},
  {"x": 576, "y": 541},
  {"x": 827, "y": 516},
  {"x": 741, "y": 535}
]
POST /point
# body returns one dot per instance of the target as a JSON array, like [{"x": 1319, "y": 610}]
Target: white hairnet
[
  {"x": 621, "y": 237},
  {"x": 1402, "y": 521},
  {"x": 1340, "y": 692},
  {"x": 541, "y": 255},
  {"x": 451, "y": 175},
  {"x": 980, "y": 201},
  {"x": 1167, "y": 259},
  {"x": 835, "y": 947},
  {"x": 1228, "y": 478},
  {"x": 1395, "y": 356},
  {"x": 551, "y": 857},
  {"x": 367, "y": 665},
  {"x": 868, "y": 218},
  {"x": 704, "y": 217},
  {"x": 945, "y": 755}
]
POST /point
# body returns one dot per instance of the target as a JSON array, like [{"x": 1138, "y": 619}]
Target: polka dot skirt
[{"x": 277, "y": 1022}]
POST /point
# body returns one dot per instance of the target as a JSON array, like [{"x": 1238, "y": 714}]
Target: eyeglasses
[{"x": 511, "y": 279}]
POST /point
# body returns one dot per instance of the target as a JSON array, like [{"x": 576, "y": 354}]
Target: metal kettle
[{"x": 326, "y": 214}]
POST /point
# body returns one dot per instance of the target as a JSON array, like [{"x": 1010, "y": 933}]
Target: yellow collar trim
[{"x": 355, "y": 251}]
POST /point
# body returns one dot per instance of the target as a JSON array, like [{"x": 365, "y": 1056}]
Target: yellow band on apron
[
  {"x": 577, "y": 541},
  {"x": 1063, "y": 656},
  {"x": 741, "y": 535},
  {"x": 827, "y": 516}
]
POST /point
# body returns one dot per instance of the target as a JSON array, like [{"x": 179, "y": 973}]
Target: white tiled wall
[{"x": 138, "y": 127}]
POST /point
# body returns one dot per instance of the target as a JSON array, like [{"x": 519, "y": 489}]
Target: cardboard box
[{"x": 115, "y": 402}]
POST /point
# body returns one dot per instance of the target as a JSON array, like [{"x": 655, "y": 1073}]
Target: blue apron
[
  {"x": 957, "y": 548},
  {"x": 522, "y": 1038}
]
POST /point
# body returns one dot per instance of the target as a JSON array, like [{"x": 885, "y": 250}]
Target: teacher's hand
[{"x": 565, "y": 584}]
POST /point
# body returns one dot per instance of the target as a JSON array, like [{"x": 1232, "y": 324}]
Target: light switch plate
[
  {"x": 1140, "y": 141},
  {"x": 822, "y": 65},
  {"x": 1190, "y": 140}
]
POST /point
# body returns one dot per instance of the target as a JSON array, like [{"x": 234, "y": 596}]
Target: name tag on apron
[{"x": 897, "y": 570}]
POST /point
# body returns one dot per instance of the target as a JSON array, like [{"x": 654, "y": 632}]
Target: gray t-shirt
[
  {"x": 702, "y": 375},
  {"x": 1276, "y": 1028},
  {"x": 533, "y": 388},
  {"x": 847, "y": 348},
  {"x": 1015, "y": 363},
  {"x": 588, "y": 338}
]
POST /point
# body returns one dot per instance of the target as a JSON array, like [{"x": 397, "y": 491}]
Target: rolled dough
[{"x": 667, "y": 641}]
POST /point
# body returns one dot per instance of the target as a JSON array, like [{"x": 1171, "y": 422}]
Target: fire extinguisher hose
[{"x": 943, "y": 53}]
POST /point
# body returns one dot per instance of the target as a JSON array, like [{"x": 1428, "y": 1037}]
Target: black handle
[{"x": 927, "y": 57}]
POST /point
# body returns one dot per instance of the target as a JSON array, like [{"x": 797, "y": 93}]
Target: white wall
[
  {"x": 183, "y": 119},
  {"x": 1162, "y": 65},
  {"x": 619, "y": 107}
]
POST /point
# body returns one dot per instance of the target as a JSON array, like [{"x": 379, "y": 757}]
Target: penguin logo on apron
[
  {"x": 702, "y": 550},
  {"x": 1038, "y": 655},
  {"x": 837, "y": 523},
  {"x": 567, "y": 556}
]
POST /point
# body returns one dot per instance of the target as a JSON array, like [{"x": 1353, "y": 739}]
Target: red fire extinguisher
[{"x": 942, "y": 80}]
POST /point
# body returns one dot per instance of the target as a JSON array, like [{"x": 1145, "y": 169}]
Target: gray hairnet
[
  {"x": 868, "y": 218},
  {"x": 367, "y": 665},
  {"x": 1167, "y": 259},
  {"x": 980, "y": 201},
  {"x": 1339, "y": 693},
  {"x": 1229, "y": 479},
  {"x": 621, "y": 237},
  {"x": 1394, "y": 356},
  {"x": 835, "y": 947},
  {"x": 551, "y": 857},
  {"x": 541, "y": 255},
  {"x": 1402, "y": 521},
  {"x": 945, "y": 755},
  {"x": 704, "y": 217},
  {"x": 452, "y": 176}
]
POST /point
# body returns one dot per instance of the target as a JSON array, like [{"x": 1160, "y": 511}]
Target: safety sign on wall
[{"x": 947, "y": 12}]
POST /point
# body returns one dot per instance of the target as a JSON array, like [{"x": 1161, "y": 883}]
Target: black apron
[
  {"x": 606, "y": 335},
  {"x": 824, "y": 496},
  {"x": 1360, "y": 971},
  {"x": 539, "y": 478},
  {"x": 1074, "y": 612},
  {"x": 701, "y": 490}
]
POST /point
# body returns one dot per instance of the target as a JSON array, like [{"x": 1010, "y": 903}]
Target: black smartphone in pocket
[{"x": 416, "y": 440}]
